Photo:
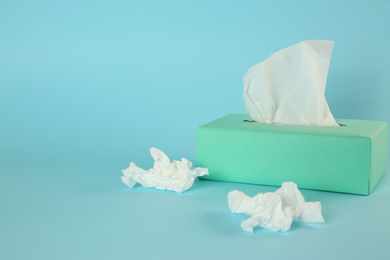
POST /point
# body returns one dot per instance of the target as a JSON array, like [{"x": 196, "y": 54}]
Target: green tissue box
[{"x": 350, "y": 159}]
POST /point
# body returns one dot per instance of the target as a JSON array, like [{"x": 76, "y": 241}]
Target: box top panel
[{"x": 358, "y": 128}]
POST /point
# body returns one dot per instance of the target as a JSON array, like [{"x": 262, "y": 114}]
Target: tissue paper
[
  {"x": 165, "y": 175},
  {"x": 288, "y": 87},
  {"x": 275, "y": 210}
]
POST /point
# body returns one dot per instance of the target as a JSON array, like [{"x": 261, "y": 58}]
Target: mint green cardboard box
[{"x": 349, "y": 159}]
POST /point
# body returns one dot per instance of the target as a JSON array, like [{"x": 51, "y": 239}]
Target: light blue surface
[{"x": 88, "y": 86}]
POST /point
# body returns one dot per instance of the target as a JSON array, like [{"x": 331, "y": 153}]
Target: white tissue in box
[{"x": 288, "y": 88}]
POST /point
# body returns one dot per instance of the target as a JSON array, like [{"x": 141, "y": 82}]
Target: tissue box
[{"x": 349, "y": 159}]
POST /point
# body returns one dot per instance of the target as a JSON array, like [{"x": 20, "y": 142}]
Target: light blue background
[{"x": 88, "y": 86}]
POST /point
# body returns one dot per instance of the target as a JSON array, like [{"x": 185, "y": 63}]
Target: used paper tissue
[
  {"x": 288, "y": 87},
  {"x": 165, "y": 175},
  {"x": 275, "y": 210}
]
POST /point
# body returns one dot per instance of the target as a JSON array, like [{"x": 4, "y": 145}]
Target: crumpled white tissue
[
  {"x": 275, "y": 210},
  {"x": 288, "y": 88},
  {"x": 165, "y": 175}
]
